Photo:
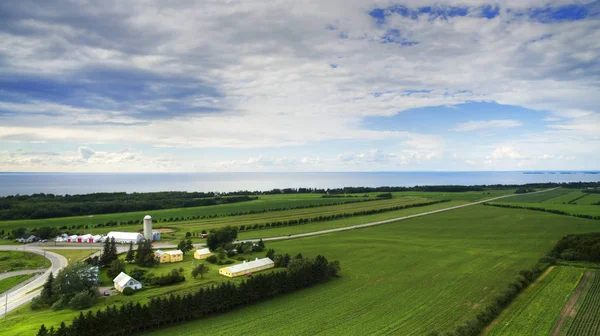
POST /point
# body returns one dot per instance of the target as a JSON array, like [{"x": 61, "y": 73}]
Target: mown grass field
[
  {"x": 587, "y": 318},
  {"x": 589, "y": 199},
  {"x": 8, "y": 283},
  {"x": 405, "y": 278},
  {"x": 264, "y": 202},
  {"x": 538, "y": 197},
  {"x": 74, "y": 255},
  {"x": 577, "y": 209},
  {"x": 536, "y": 310},
  {"x": 16, "y": 261}
]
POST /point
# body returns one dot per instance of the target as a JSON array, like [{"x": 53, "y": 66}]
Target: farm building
[
  {"x": 168, "y": 256},
  {"x": 125, "y": 237},
  {"x": 247, "y": 267},
  {"x": 85, "y": 239},
  {"x": 123, "y": 281},
  {"x": 72, "y": 239},
  {"x": 202, "y": 253}
]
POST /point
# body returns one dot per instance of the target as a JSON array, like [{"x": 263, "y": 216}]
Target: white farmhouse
[{"x": 123, "y": 281}]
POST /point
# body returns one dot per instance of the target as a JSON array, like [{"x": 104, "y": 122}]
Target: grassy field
[
  {"x": 405, "y": 278},
  {"x": 589, "y": 199},
  {"x": 16, "y": 261},
  {"x": 264, "y": 202},
  {"x": 8, "y": 283},
  {"x": 587, "y": 318},
  {"x": 74, "y": 255},
  {"x": 537, "y": 198},
  {"x": 592, "y": 210},
  {"x": 535, "y": 311},
  {"x": 565, "y": 198}
]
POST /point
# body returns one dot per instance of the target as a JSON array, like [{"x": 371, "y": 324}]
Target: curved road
[
  {"x": 15, "y": 273},
  {"x": 24, "y": 294}
]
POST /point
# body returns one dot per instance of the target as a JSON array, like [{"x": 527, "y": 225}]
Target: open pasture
[
  {"x": 537, "y": 309},
  {"x": 411, "y": 277},
  {"x": 537, "y": 197}
]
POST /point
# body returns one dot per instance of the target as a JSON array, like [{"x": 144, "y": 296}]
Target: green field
[
  {"x": 406, "y": 278},
  {"x": 16, "y": 261},
  {"x": 536, "y": 310},
  {"x": 589, "y": 199},
  {"x": 575, "y": 209},
  {"x": 587, "y": 318},
  {"x": 74, "y": 255},
  {"x": 537, "y": 197},
  {"x": 264, "y": 202},
  {"x": 8, "y": 283},
  {"x": 565, "y": 198}
]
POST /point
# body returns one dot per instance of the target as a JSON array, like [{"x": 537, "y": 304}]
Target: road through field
[{"x": 13, "y": 300}]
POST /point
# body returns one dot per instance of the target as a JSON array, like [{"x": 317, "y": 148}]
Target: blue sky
[{"x": 299, "y": 85}]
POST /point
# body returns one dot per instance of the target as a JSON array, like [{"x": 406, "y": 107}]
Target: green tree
[
  {"x": 116, "y": 267},
  {"x": 71, "y": 280},
  {"x": 47, "y": 296},
  {"x": 145, "y": 255},
  {"x": 200, "y": 269},
  {"x": 185, "y": 246},
  {"x": 261, "y": 243},
  {"x": 271, "y": 254},
  {"x": 130, "y": 257},
  {"x": 221, "y": 237},
  {"x": 43, "y": 331}
]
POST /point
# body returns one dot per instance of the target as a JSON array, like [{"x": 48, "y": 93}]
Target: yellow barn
[
  {"x": 247, "y": 267},
  {"x": 168, "y": 256},
  {"x": 202, "y": 254}
]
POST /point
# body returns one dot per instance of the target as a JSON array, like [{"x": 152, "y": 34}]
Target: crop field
[
  {"x": 470, "y": 196},
  {"x": 589, "y": 199},
  {"x": 592, "y": 210},
  {"x": 587, "y": 319},
  {"x": 8, "y": 283},
  {"x": 566, "y": 198},
  {"x": 406, "y": 278},
  {"x": 264, "y": 202},
  {"x": 535, "y": 311},
  {"x": 16, "y": 261},
  {"x": 537, "y": 198}
]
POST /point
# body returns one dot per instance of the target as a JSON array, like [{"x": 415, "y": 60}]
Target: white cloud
[{"x": 485, "y": 125}]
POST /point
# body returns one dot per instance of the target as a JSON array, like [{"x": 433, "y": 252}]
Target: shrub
[
  {"x": 128, "y": 291},
  {"x": 36, "y": 303},
  {"x": 81, "y": 300},
  {"x": 212, "y": 259},
  {"x": 59, "y": 304}
]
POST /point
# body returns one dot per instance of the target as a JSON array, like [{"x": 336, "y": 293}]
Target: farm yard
[{"x": 411, "y": 277}]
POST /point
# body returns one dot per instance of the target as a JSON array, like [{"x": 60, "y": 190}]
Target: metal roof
[
  {"x": 203, "y": 251},
  {"x": 124, "y": 235},
  {"x": 247, "y": 265},
  {"x": 122, "y": 279}
]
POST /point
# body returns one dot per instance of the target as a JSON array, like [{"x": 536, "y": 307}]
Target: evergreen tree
[
  {"x": 130, "y": 254},
  {"x": 104, "y": 258},
  {"x": 113, "y": 250},
  {"x": 43, "y": 331},
  {"x": 261, "y": 244},
  {"x": 46, "y": 295},
  {"x": 271, "y": 254}
]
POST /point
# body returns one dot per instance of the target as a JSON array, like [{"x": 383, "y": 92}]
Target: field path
[{"x": 569, "y": 309}]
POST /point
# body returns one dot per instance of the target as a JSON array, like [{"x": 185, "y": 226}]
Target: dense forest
[{"x": 584, "y": 247}]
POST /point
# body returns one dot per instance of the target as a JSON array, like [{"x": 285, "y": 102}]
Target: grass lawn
[
  {"x": 8, "y": 283},
  {"x": 406, "y": 278},
  {"x": 16, "y": 261},
  {"x": 74, "y": 255},
  {"x": 535, "y": 311}
]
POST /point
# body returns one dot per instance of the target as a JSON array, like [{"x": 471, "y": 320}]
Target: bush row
[
  {"x": 558, "y": 212},
  {"x": 133, "y": 318}
]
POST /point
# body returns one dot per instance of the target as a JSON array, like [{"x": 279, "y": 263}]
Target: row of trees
[
  {"x": 325, "y": 218},
  {"x": 74, "y": 287},
  {"x": 585, "y": 247},
  {"x": 43, "y": 206},
  {"x": 133, "y": 318},
  {"x": 554, "y": 211}
]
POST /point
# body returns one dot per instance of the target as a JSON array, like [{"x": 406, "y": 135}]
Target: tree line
[
  {"x": 160, "y": 312},
  {"x": 40, "y": 206},
  {"x": 583, "y": 247},
  {"x": 554, "y": 211},
  {"x": 324, "y": 218}
]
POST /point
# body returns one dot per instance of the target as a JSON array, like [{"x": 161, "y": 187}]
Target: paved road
[
  {"x": 15, "y": 273},
  {"x": 25, "y": 293}
]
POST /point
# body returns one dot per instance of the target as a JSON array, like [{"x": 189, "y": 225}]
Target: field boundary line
[{"x": 571, "y": 303}]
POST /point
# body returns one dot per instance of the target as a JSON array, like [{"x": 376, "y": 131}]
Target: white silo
[{"x": 148, "y": 227}]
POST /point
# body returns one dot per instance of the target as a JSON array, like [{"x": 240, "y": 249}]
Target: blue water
[{"x": 81, "y": 183}]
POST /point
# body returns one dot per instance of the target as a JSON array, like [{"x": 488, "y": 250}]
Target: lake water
[{"x": 81, "y": 183}]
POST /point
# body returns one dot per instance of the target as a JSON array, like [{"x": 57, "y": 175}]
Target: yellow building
[
  {"x": 168, "y": 256},
  {"x": 202, "y": 254},
  {"x": 247, "y": 267}
]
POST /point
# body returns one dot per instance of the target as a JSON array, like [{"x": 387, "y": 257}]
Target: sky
[{"x": 294, "y": 86}]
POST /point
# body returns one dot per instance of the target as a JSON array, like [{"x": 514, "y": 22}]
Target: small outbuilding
[
  {"x": 123, "y": 281},
  {"x": 202, "y": 253},
  {"x": 247, "y": 267}
]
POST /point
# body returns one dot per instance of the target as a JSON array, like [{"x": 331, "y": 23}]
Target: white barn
[
  {"x": 125, "y": 237},
  {"x": 123, "y": 281}
]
